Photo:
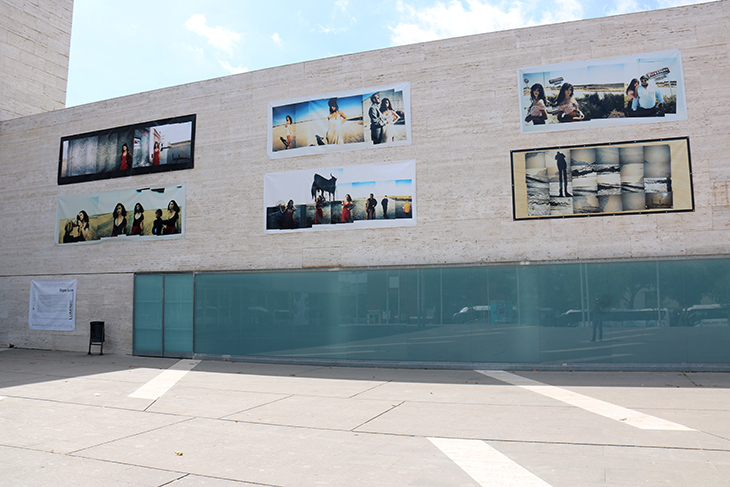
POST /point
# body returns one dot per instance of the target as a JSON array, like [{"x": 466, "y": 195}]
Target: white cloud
[
  {"x": 562, "y": 11},
  {"x": 218, "y": 37},
  {"x": 329, "y": 30},
  {"x": 459, "y": 18},
  {"x": 342, "y": 4},
  {"x": 277, "y": 39},
  {"x": 231, "y": 69}
]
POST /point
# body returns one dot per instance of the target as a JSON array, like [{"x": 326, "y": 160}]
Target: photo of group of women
[
  {"x": 340, "y": 121},
  {"x": 164, "y": 145},
  {"x": 131, "y": 214},
  {"x": 630, "y": 89},
  {"x": 603, "y": 179},
  {"x": 361, "y": 196}
]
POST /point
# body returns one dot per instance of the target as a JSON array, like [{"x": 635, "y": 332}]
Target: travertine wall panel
[
  {"x": 464, "y": 125},
  {"x": 100, "y": 297},
  {"x": 34, "y": 49}
]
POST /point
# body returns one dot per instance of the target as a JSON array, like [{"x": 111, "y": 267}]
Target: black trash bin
[{"x": 96, "y": 336}]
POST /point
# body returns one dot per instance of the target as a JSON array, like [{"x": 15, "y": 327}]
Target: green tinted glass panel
[
  {"x": 178, "y": 315},
  {"x": 148, "y": 314},
  {"x": 620, "y": 312},
  {"x": 706, "y": 314}
]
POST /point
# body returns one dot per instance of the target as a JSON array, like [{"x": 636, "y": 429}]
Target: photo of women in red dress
[
  {"x": 126, "y": 159},
  {"x": 138, "y": 220},
  {"x": 347, "y": 207},
  {"x": 319, "y": 213},
  {"x": 173, "y": 215},
  {"x": 119, "y": 224},
  {"x": 156, "y": 154}
]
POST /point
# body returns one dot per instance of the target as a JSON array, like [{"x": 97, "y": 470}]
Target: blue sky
[{"x": 130, "y": 46}]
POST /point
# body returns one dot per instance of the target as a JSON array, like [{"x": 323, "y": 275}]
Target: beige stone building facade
[
  {"x": 34, "y": 49},
  {"x": 465, "y": 122}
]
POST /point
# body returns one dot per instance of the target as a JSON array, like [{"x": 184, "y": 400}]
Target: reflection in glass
[{"x": 608, "y": 312}]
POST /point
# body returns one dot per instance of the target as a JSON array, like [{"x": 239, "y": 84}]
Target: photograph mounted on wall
[
  {"x": 639, "y": 88},
  {"x": 341, "y": 121},
  {"x": 361, "y": 196},
  {"x": 607, "y": 179},
  {"x": 129, "y": 214},
  {"x": 162, "y": 145}
]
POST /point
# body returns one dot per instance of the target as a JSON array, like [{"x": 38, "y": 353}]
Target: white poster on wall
[{"x": 53, "y": 305}]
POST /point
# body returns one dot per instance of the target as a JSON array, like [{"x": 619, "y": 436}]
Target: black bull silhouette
[{"x": 324, "y": 185}]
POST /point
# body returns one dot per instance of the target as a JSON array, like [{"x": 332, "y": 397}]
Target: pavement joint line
[
  {"x": 725, "y": 438},
  {"x": 227, "y": 417},
  {"x": 157, "y": 387},
  {"x": 393, "y": 406},
  {"x": 487, "y": 466},
  {"x": 113, "y": 440},
  {"x": 146, "y": 467},
  {"x": 596, "y": 406},
  {"x": 174, "y": 480},
  {"x": 150, "y": 405},
  {"x": 690, "y": 379},
  {"x": 102, "y": 406},
  {"x": 369, "y": 389}
]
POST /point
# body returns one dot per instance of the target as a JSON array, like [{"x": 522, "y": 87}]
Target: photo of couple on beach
[
  {"x": 631, "y": 89},
  {"x": 340, "y": 121}
]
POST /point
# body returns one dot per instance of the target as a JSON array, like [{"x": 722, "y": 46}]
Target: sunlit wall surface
[{"x": 624, "y": 312}]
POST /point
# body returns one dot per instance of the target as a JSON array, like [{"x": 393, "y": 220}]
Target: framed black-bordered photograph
[
  {"x": 157, "y": 146},
  {"x": 603, "y": 179}
]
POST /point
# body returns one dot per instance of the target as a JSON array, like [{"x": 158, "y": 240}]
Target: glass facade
[
  {"x": 653, "y": 312},
  {"x": 163, "y": 315}
]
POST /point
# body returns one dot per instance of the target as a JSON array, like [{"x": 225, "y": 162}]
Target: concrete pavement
[{"x": 68, "y": 419}]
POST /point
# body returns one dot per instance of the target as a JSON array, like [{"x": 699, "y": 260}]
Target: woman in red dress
[
  {"x": 173, "y": 214},
  {"x": 347, "y": 207},
  {"x": 138, "y": 220},
  {"x": 156, "y": 154},
  {"x": 126, "y": 158},
  {"x": 319, "y": 213}
]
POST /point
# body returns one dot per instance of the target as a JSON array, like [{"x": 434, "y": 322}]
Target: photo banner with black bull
[
  {"x": 150, "y": 147},
  {"x": 604, "y": 179},
  {"x": 129, "y": 214},
  {"x": 341, "y": 121},
  {"x": 338, "y": 198},
  {"x": 632, "y": 89}
]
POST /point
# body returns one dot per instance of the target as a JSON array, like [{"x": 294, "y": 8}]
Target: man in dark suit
[
  {"x": 377, "y": 134},
  {"x": 562, "y": 173}
]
